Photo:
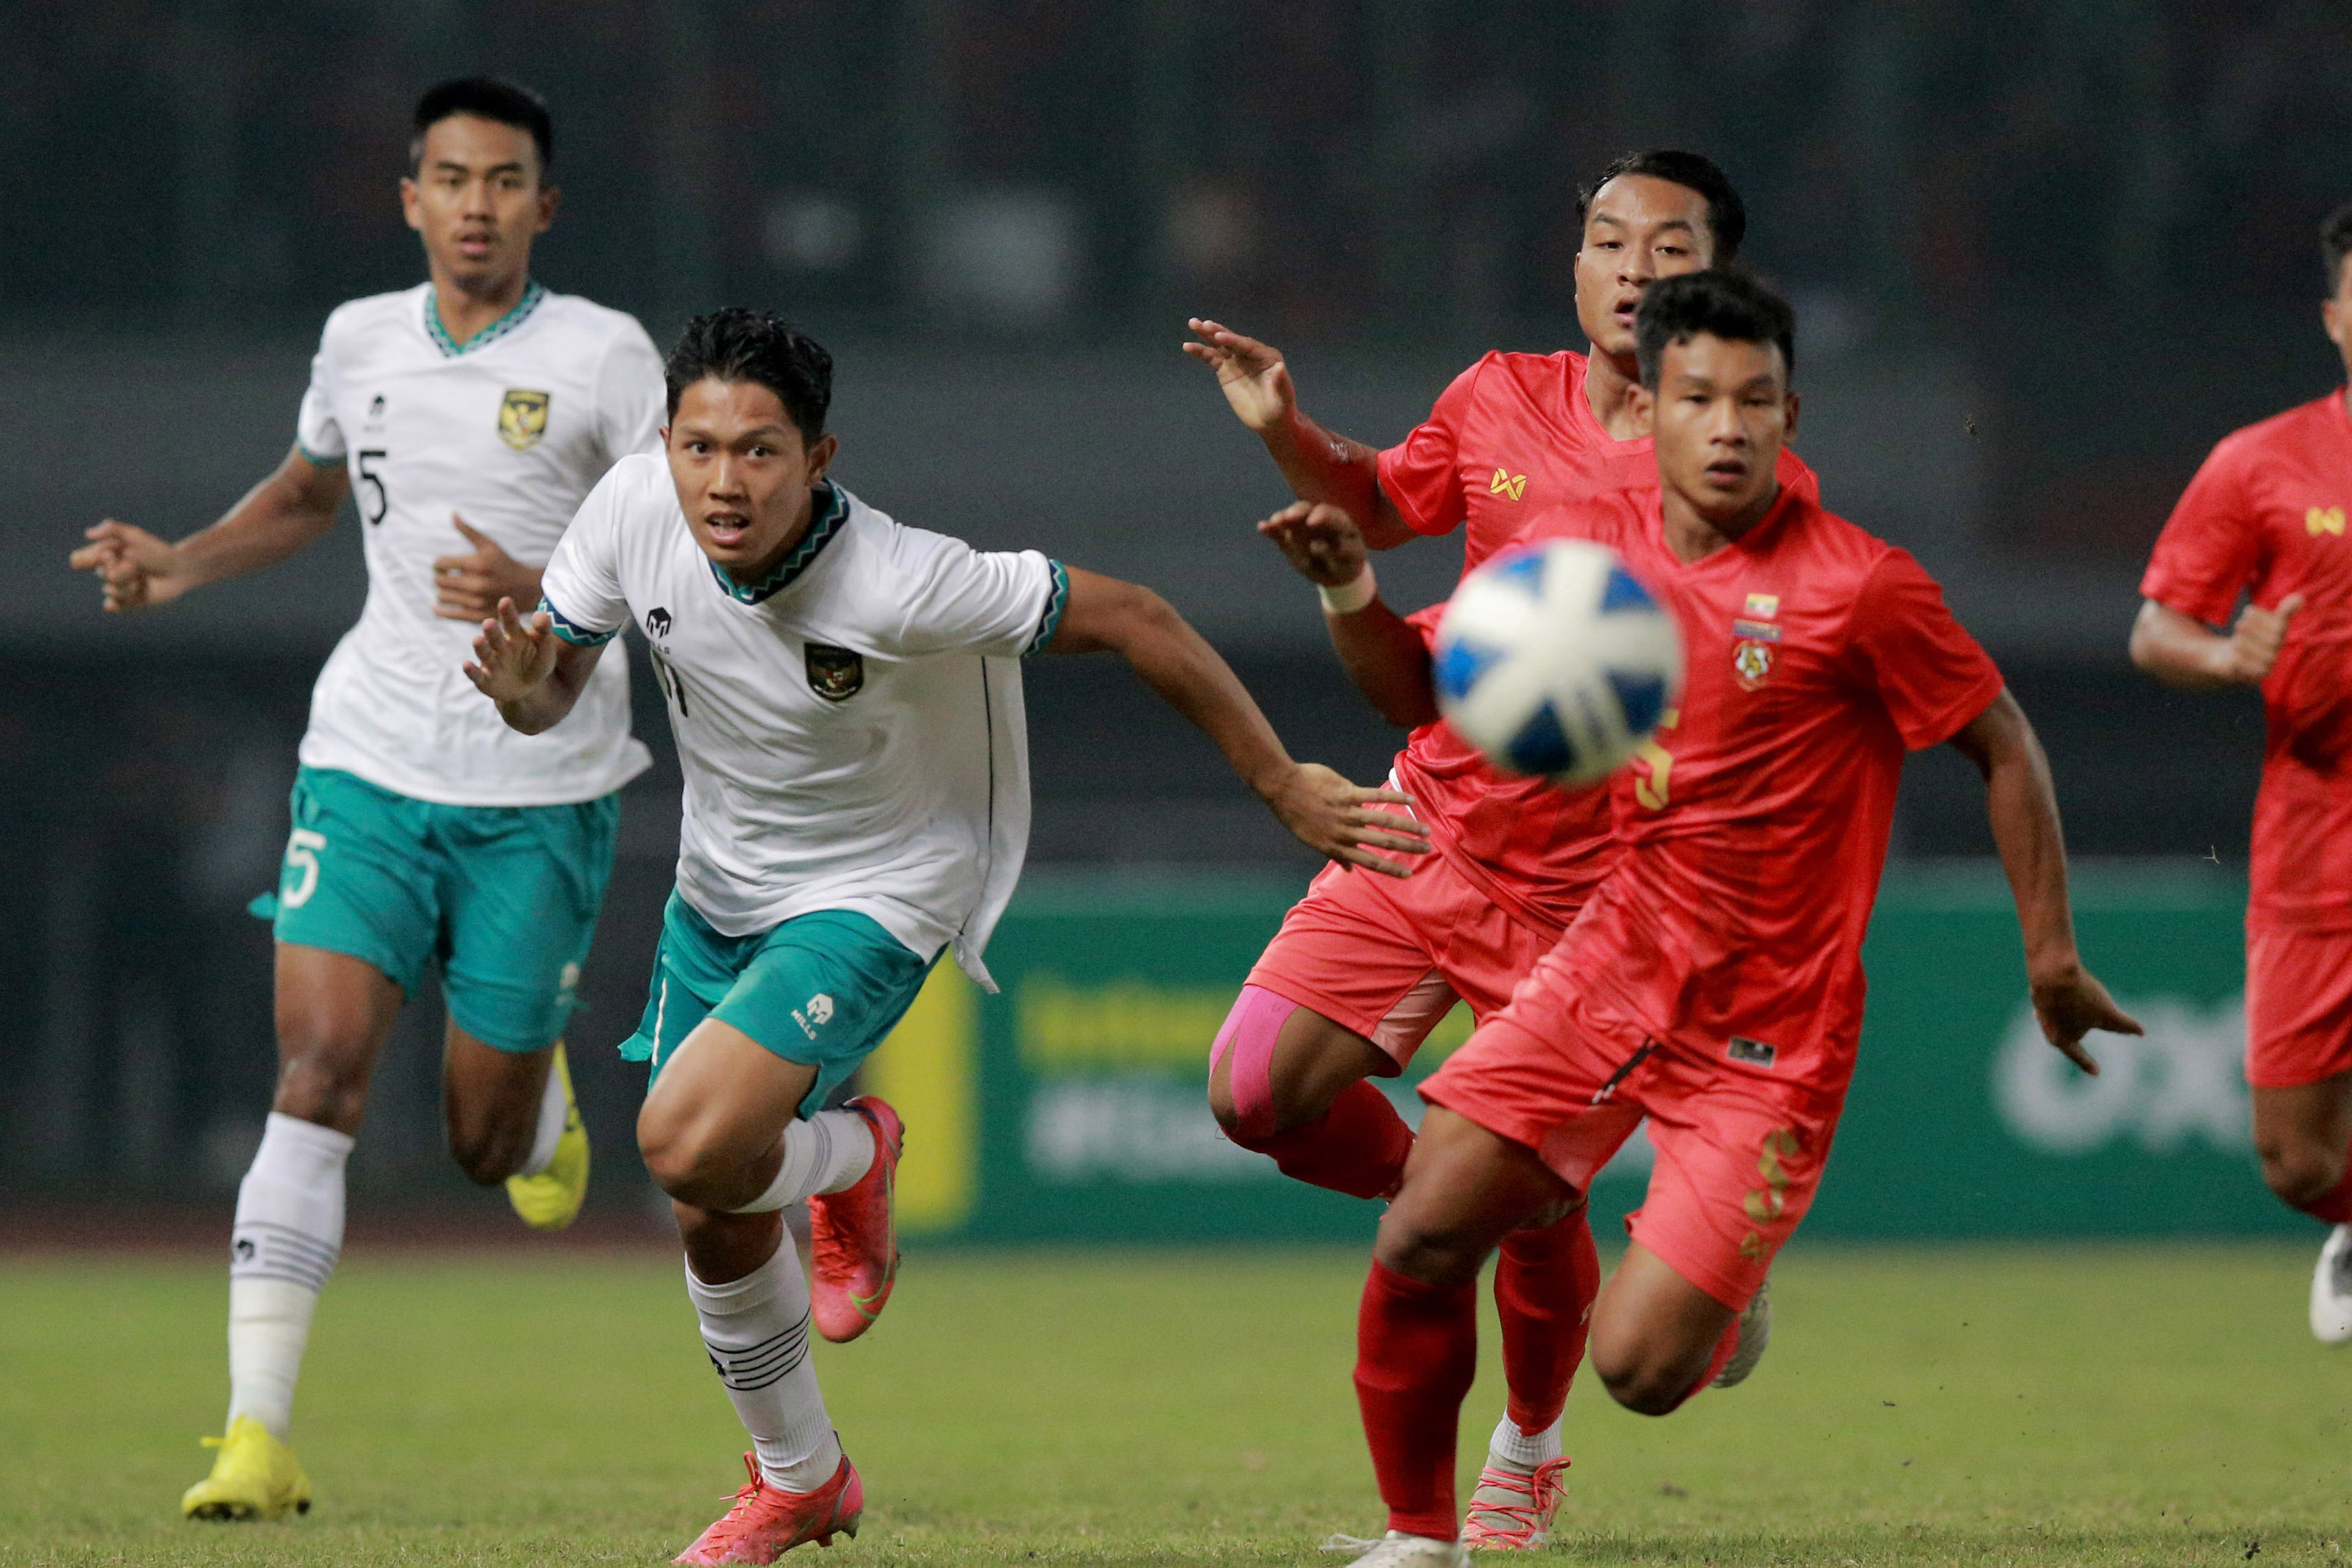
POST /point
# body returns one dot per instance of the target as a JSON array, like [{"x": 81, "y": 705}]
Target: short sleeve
[
  {"x": 1929, "y": 672},
  {"x": 956, "y": 599},
  {"x": 631, "y": 401},
  {"x": 316, "y": 429},
  {"x": 580, "y": 589},
  {"x": 2208, "y": 552},
  {"x": 1419, "y": 474}
]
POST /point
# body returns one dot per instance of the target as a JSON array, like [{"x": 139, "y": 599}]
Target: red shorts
[
  {"x": 1388, "y": 959},
  {"x": 1739, "y": 1155},
  {"x": 2298, "y": 1006}
]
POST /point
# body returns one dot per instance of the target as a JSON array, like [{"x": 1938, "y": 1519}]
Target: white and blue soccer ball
[{"x": 1555, "y": 661}]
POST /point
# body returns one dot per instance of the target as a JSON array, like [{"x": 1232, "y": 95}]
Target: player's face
[
  {"x": 743, "y": 473},
  {"x": 1638, "y": 230},
  {"x": 1722, "y": 412},
  {"x": 477, "y": 199},
  {"x": 2336, "y": 315}
]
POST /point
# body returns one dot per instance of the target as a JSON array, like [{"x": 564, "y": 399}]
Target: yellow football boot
[
  {"x": 256, "y": 1476},
  {"x": 551, "y": 1200}
]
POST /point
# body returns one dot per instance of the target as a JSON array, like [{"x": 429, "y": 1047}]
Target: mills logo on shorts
[
  {"x": 836, "y": 674},
  {"x": 522, "y": 418}
]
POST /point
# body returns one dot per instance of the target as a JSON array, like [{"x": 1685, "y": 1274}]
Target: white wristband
[{"x": 1349, "y": 597}]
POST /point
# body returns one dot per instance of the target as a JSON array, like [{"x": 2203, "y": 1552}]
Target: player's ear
[
  {"x": 820, "y": 458},
  {"x": 1641, "y": 405},
  {"x": 551, "y": 197},
  {"x": 408, "y": 202},
  {"x": 1789, "y": 422},
  {"x": 2331, "y": 321}
]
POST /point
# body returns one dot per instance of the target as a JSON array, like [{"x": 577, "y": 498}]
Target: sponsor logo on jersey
[
  {"x": 1506, "y": 483},
  {"x": 1762, "y": 631},
  {"x": 522, "y": 418},
  {"x": 1763, "y": 606},
  {"x": 836, "y": 674},
  {"x": 2316, "y": 522},
  {"x": 1755, "y": 1053},
  {"x": 375, "y": 410},
  {"x": 657, "y": 623},
  {"x": 1751, "y": 661}
]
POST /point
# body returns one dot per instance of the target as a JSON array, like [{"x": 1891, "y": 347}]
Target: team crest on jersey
[
  {"x": 2316, "y": 522},
  {"x": 836, "y": 674},
  {"x": 1751, "y": 661},
  {"x": 522, "y": 418}
]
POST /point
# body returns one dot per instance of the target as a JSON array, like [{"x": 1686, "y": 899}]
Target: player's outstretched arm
[
  {"x": 277, "y": 516},
  {"x": 2024, "y": 804},
  {"x": 1380, "y": 650},
  {"x": 1320, "y": 465},
  {"x": 2182, "y": 652},
  {"x": 530, "y": 673},
  {"x": 1329, "y": 814}
]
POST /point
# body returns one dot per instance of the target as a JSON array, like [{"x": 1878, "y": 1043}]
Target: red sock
[
  {"x": 1357, "y": 1147},
  {"x": 1545, "y": 1283},
  {"x": 1416, "y": 1351},
  {"x": 2335, "y": 1208}
]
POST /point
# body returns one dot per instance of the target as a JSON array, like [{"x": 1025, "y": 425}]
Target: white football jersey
[
  {"x": 850, "y": 728},
  {"x": 509, "y": 432}
]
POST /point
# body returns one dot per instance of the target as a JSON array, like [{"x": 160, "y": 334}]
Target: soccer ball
[{"x": 1554, "y": 661}]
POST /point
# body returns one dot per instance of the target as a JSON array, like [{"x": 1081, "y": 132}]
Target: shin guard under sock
[
  {"x": 1546, "y": 1281},
  {"x": 1416, "y": 1352},
  {"x": 1357, "y": 1147}
]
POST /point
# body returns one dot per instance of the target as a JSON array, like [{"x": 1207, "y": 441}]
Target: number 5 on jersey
[
  {"x": 302, "y": 854},
  {"x": 1654, "y": 766}
]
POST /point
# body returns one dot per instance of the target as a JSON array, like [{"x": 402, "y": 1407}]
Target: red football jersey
[
  {"x": 1513, "y": 437},
  {"x": 2266, "y": 517},
  {"x": 1755, "y": 824}
]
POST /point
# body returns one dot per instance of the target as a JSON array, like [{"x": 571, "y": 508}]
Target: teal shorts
[
  {"x": 821, "y": 989},
  {"x": 503, "y": 897}
]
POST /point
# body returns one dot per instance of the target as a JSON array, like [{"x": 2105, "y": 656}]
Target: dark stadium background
[{"x": 2044, "y": 257}]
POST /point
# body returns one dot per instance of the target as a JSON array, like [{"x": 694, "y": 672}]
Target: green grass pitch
[{"x": 2089, "y": 1404}]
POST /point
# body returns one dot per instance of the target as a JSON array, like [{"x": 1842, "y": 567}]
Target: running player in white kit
[
  {"x": 467, "y": 417},
  {"x": 846, "y": 696}
]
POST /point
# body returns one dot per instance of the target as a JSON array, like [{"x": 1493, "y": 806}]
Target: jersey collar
[
  {"x": 450, "y": 348},
  {"x": 832, "y": 512}
]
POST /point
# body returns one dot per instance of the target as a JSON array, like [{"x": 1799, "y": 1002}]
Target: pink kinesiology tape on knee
[{"x": 1249, "y": 1034}]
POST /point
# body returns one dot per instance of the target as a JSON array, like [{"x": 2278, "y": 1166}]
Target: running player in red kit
[
  {"x": 1712, "y": 983},
  {"x": 2264, "y": 519},
  {"x": 1359, "y": 975}
]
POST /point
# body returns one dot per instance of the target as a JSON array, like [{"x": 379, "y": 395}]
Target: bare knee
[
  {"x": 323, "y": 1071},
  {"x": 689, "y": 1161},
  {"x": 490, "y": 1148},
  {"x": 2302, "y": 1173},
  {"x": 1431, "y": 1250},
  {"x": 1640, "y": 1376}
]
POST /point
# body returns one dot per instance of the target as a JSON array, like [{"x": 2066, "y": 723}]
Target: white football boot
[
  {"x": 1755, "y": 1334},
  {"x": 2331, "y": 1290},
  {"x": 1397, "y": 1550}
]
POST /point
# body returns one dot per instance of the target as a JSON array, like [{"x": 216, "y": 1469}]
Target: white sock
[
  {"x": 826, "y": 1153},
  {"x": 1525, "y": 1449},
  {"x": 288, "y": 1233},
  {"x": 554, "y": 1109},
  {"x": 756, "y": 1330}
]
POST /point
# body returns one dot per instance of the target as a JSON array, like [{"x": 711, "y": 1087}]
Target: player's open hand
[
  {"x": 2252, "y": 650},
  {"x": 467, "y": 587},
  {"x": 2070, "y": 1002},
  {"x": 513, "y": 656},
  {"x": 1320, "y": 540},
  {"x": 1339, "y": 819},
  {"x": 137, "y": 570},
  {"x": 1256, "y": 381}
]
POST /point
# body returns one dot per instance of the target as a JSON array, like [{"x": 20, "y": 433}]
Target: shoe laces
[
  {"x": 1539, "y": 1486},
  {"x": 738, "y": 1519}
]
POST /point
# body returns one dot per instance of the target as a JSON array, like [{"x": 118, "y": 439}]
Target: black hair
[
  {"x": 741, "y": 345},
  {"x": 2336, "y": 244},
  {"x": 1722, "y": 302},
  {"x": 1727, "y": 215},
  {"x": 485, "y": 98}
]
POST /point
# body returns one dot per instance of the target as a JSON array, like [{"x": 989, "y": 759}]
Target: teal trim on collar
[
  {"x": 827, "y": 522},
  {"x": 450, "y": 348},
  {"x": 1057, "y": 601}
]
